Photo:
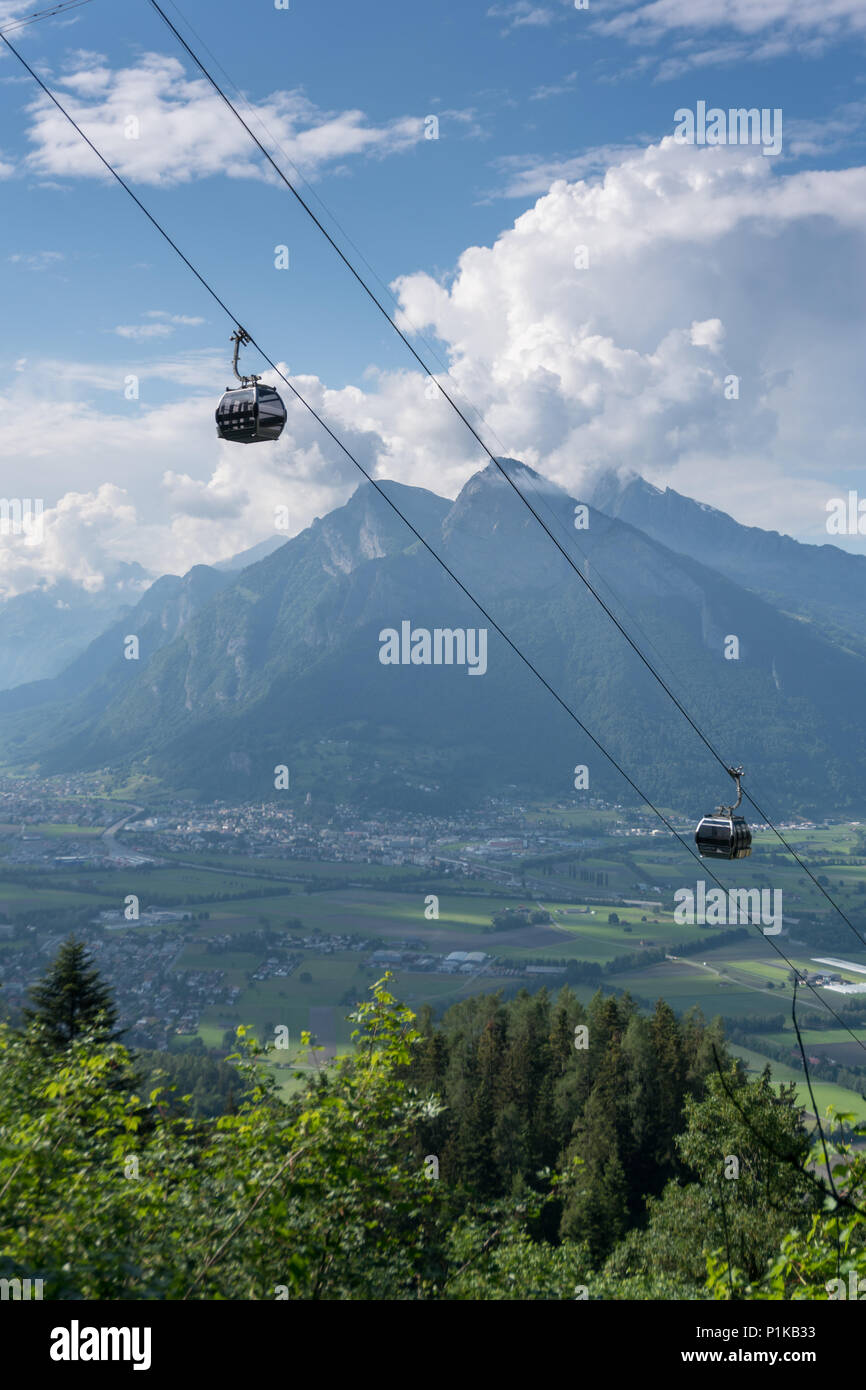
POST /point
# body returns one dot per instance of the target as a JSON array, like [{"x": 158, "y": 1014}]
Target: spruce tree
[{"x": 72, "y": 998}]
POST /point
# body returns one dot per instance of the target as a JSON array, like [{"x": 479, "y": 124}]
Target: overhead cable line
[
  {"x": 495, "y": 461},
  {"x": 383, "y": 494},
  {"x": 43, "y": 14}
]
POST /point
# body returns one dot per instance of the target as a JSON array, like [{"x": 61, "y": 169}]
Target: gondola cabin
[
  {"x": 723, "y": 837},
  {"x": 250, "y": 414}
]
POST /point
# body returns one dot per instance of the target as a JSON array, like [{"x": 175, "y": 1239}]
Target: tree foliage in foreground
[{"x": 106, "y": 1193}]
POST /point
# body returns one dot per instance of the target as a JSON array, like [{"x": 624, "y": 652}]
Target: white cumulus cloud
[
  {"x": 710, "y": 337},
  {"x": 689, "y": 34},
  {"x": 157, "y": 126}
]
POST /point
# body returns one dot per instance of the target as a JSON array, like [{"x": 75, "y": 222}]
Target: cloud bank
[{"x": 604, "y": 328}]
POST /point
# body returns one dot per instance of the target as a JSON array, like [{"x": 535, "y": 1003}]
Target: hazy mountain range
[
  {"x": 279, "y": 662},
  {"x": 42, "y": 630}
]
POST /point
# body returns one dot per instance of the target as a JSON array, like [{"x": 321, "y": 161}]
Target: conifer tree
[{"x": 72, "y": 998}]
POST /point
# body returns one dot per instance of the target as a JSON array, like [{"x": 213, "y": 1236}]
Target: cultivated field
[{"x": 633, "y": 878}]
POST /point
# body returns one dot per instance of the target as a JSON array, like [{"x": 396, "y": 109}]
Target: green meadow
[
  {"x": 825, "y": 1092},
  {"x": 733, "y": 980}
]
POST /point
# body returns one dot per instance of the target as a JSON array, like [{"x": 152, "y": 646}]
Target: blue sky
[
  {"x": 528, "y": 97},
  {"x": 525, "y": 94}
]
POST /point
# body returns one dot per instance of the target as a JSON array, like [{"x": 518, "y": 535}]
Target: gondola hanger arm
[
  {"x": 240, "y": 338},
  {"x": 736, "y": 773}
]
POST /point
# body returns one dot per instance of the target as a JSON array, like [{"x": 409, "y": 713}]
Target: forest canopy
[{"x": 529, "y": 1149}]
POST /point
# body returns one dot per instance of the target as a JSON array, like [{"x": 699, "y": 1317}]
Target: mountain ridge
[
  {"x": 822, "y": 582},
  {"x": 284, "y": 654}
]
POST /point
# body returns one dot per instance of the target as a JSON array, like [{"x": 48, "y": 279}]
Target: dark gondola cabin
[
  {"x": 250, "y": 414},
  {"x": 723, "y": 837}
]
